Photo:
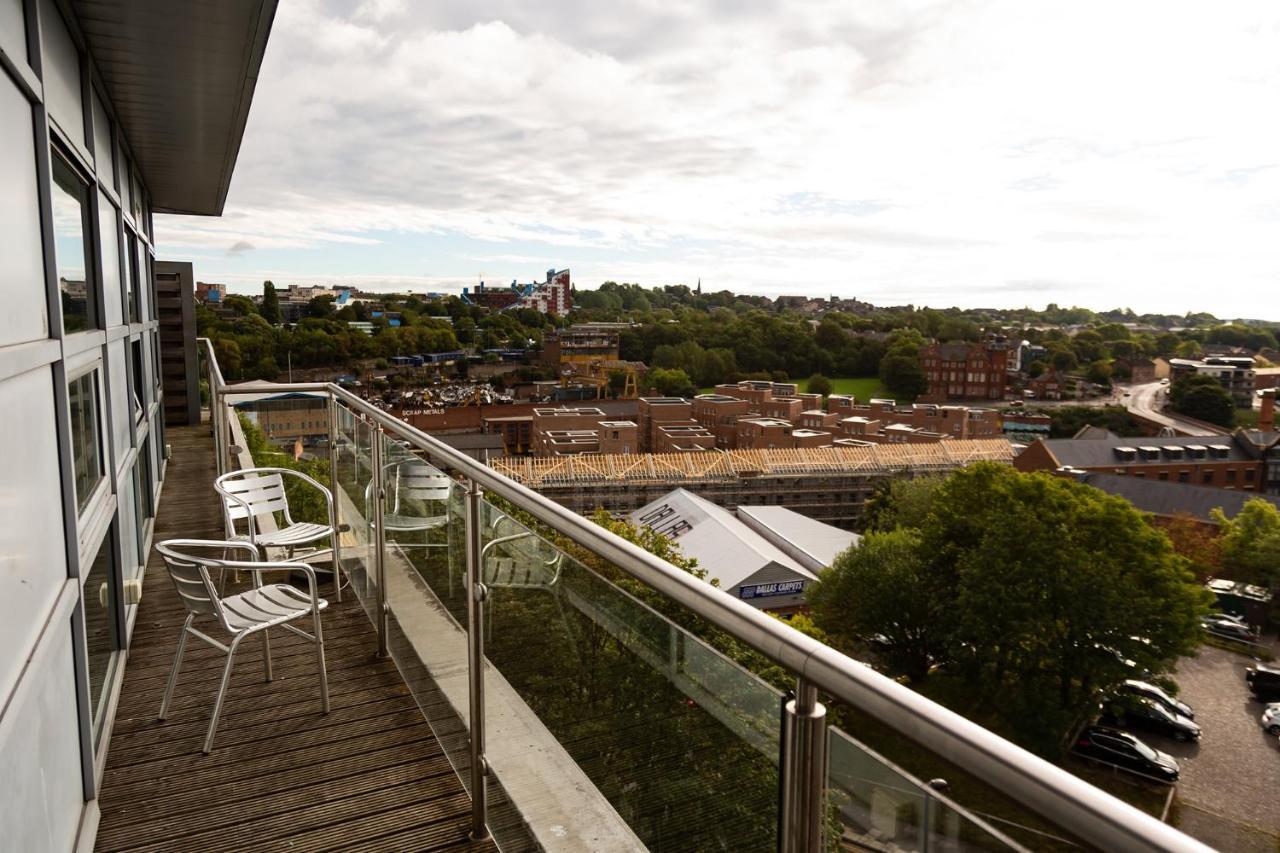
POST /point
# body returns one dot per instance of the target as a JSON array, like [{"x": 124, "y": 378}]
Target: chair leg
[
  {"x": 324, "y": 675},
  {"x": 266, "y": 654},
  {"x": 222, "y": 694},
  {"x": 177, "y": 665}
]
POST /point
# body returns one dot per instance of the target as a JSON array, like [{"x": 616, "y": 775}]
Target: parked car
[
  {"x": 1264, "y": 681},
  {"x": 1230, "y": 629},
  {"x": 1100, "y": 743},
  {"x": 1271, "y": 718},
  {"x": 1155, "y": 694},
  {"x": 1138, "y": 712}
]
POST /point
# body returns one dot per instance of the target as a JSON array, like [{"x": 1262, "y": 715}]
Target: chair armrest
[{"x": 281, "y": 566}]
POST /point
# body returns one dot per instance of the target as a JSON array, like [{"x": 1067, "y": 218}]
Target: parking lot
[{"x": 1234, "y": 772}]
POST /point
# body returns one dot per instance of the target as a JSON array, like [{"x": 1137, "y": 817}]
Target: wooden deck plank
[{"x": 282, "y": 774}]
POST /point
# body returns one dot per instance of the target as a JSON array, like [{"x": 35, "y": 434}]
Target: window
[
  {"x": 100, "y": 624},
  {"x": 131, "y": 278},
  {"x": 86, "y": 436},
  {"x": 1184, "y": 476},
  {"x": 1231, "y": 475},
  {"x": 1207, "y": 477},
  {"x": 70, "y": 229},
  {"x": 1249, "y": 475},
  {"x": 135, "y": 379}
]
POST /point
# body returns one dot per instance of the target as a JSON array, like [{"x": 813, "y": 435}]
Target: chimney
[{"x": 1267, "y": 417}]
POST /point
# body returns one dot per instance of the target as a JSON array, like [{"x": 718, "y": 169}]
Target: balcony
[{"x": 506, "y": 670}]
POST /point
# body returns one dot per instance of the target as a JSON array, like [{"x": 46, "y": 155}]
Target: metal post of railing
[
  {"x": 476, "y": 594},
  {"x": 336, "y": 521},
  {"x": 803, "y": 775},
  {"x": 379, "y": 536}
]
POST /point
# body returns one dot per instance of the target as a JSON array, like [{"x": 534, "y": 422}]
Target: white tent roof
[
  {"x": 725, "y": 547},
  {"x": 811, "y": 543}
]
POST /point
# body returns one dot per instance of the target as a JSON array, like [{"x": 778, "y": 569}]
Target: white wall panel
[
  {"x": 61, "y": 73},
  {"x": 121, "y": 408},
  {"x": 128, "y": 526},
  {"x": 112, "y": 290},
  {"x": 42, "y": 786},
  {"x": 32, "y": 550},
  {"x": 103, "y": 151},
  {"x": 26, "y": 313},
  {"x": 12, "y": 29}
]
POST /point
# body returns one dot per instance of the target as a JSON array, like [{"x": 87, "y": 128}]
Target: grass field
[{"x": 864, "y": 388}]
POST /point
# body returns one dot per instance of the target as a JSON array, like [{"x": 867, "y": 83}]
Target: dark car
[
  {"x": 1099, "y": 743},
  {"x": 1155, "y": 694},
  {"x": 1264, "y": 681},
  {"x": 1138, "y": 712}
]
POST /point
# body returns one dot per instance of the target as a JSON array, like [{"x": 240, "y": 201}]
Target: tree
[
  {"x": 1042, "y": 593},
  {"x": 1204, "y": 398},
  {"x": 270, "y": 304},
  {"x": 1099, "y": 372},
  {"x": 670, "y": 382},
  {"x": 1063, "y": 359},
  {"x": 321, "y": 306},
  {"x": 242, "y": 306},
  {"x": 1197, "y": 542},
  {"x": 901, "y": 373},
  {"x": 887, "y": 580},
  {"x": 818, "y": 384},
  {"x": 1251, "y": 542}
]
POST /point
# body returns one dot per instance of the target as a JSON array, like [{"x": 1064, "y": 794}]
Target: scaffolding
[{"x": 709, "y": 465}]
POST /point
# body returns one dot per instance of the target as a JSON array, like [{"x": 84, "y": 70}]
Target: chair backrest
[
  {"x": 190, "y": 575},
  {"x": 422, "y": 482},
  {"x": 255, "y": 494}
]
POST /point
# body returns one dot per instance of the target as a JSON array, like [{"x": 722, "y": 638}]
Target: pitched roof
[
  {"x": 725, "y": 547},
  {"x": 1161, "y": 497},
  {"x": 813, "y": 544},
  {"x": 1100, "y": 453}
]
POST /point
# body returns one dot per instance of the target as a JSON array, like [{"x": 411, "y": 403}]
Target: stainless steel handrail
[{"x": 1087, "y": 812}]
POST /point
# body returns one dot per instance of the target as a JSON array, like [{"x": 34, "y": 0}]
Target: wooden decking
[{"x": 283, "y": 776}]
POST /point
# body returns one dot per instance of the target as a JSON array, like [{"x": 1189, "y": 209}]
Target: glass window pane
[
  {"x": 86, "y": 440},
  {"x": 69, "y": 213},
  {"x": 99, "y": 623}
]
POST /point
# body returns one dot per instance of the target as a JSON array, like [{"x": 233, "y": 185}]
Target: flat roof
[{"x": 181, "y": 78}]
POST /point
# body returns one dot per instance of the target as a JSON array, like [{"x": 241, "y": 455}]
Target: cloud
[
  {"x": 904, "y": 148},
  {"x": 240, "y": 247}
]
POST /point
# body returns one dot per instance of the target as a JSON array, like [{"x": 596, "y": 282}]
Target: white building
[{"x": 766, "y": 556}]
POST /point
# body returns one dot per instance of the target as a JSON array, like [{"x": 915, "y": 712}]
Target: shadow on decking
[{"x": 370, "y": 775}]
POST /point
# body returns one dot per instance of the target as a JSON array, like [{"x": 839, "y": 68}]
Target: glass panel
[
  {"x": 137, "y": 388},
  {"x": 681, "y": 741},
  {"x": 61, "y": 73},
  {"x": 70, "y": 210},
  {"x": 86, "y": 436},
  {"x": 878, "y": 806},
  {"x": 99, "y": 623}
]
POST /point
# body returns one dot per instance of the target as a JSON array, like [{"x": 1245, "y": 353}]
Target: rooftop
[
  {"x": 1168, "y": 499},
  {"x": 1101, "y": 452}
]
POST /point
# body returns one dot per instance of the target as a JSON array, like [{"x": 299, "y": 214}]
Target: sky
[{"x": 973, "y": 153}]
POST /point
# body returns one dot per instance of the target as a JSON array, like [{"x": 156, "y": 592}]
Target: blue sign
[{"x": 771, "y": 590}]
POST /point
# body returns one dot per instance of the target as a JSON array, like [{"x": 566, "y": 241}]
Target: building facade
[
  {"x": 1234, "y": 373},
  {"x": 92, "y": 140},
  {"x": 964, "y": 371}
]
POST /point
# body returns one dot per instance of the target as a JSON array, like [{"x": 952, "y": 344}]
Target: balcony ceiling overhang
[{"x": 181, "y": 77}]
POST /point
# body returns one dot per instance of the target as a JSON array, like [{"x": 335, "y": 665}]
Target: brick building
[
  {"x": 582, "y": 344},
  {"x": 654, "y": 411},
  {"x": 1218, "y": 462},
  {"x": 964, "y": 371},
  {"x": 719, "y": 413}
]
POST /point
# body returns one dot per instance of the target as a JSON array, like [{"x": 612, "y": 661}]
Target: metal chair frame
[
  {"x": 244, "y": 499},
  {"x": 275, "y": 606},
  {"x": 412, "y": 486}
]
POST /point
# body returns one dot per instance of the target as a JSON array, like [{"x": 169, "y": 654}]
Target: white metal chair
[
  {"x": 254, "y": 611},
  {"x": 254, "y": 495},
  {"x": 413, "y": 486}
]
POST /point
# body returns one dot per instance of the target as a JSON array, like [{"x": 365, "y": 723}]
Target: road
[
  {"x": 1145, "y": 400},
  {"x": 1229, "y": 779}
]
